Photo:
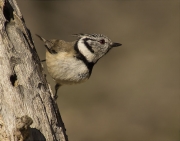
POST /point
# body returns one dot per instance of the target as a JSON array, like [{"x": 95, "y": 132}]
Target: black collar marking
[{"x": 83, "y": 58}]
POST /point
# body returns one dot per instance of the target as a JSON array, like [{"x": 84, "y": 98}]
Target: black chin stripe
[
  {"x": 87, "y": 45},
  {"x": 83, "y": 58}
]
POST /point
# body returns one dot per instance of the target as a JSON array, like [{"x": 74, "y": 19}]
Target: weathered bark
[{"x": 27, "y": 109}]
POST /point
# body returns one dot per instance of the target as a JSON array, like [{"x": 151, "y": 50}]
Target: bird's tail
[
  {"x": 48, "y": 44},
  {"x": 41, "y": 38}
]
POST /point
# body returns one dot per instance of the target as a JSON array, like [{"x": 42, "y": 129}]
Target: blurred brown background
[{"x": 134, "y": 91}]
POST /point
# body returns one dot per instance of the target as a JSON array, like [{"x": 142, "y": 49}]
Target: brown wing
[{"x": 55, "y": 45}]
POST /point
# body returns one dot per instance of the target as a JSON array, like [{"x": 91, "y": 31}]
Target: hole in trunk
[{"x": 13, "y": 79}]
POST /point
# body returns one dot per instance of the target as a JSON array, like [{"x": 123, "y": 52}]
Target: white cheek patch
[{"x": 85, "y": 51}]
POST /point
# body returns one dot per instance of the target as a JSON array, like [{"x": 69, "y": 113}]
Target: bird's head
[{"x": 94, "y": 46}]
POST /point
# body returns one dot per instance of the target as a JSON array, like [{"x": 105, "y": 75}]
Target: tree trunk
[{"x": 27, "y": 109}]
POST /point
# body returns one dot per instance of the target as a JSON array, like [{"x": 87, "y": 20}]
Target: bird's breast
[{"x": 66, "y": 69}]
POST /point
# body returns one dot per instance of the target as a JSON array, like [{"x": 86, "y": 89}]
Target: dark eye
[{"x": 102, "y": 41}]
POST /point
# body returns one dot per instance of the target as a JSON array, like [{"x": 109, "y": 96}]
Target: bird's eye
[{"x": 102, "y": 41}]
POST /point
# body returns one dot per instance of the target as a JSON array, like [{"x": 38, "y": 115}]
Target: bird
[{"x": 72, "y": 62}]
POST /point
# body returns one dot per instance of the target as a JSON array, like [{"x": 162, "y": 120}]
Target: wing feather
[{"x": 55, "y": 45}]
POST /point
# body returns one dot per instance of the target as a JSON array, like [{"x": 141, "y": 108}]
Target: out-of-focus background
[{"x": 134, "y": 91}]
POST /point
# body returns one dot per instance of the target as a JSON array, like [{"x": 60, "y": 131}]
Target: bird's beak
[{"x": 115, "y": 44}]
